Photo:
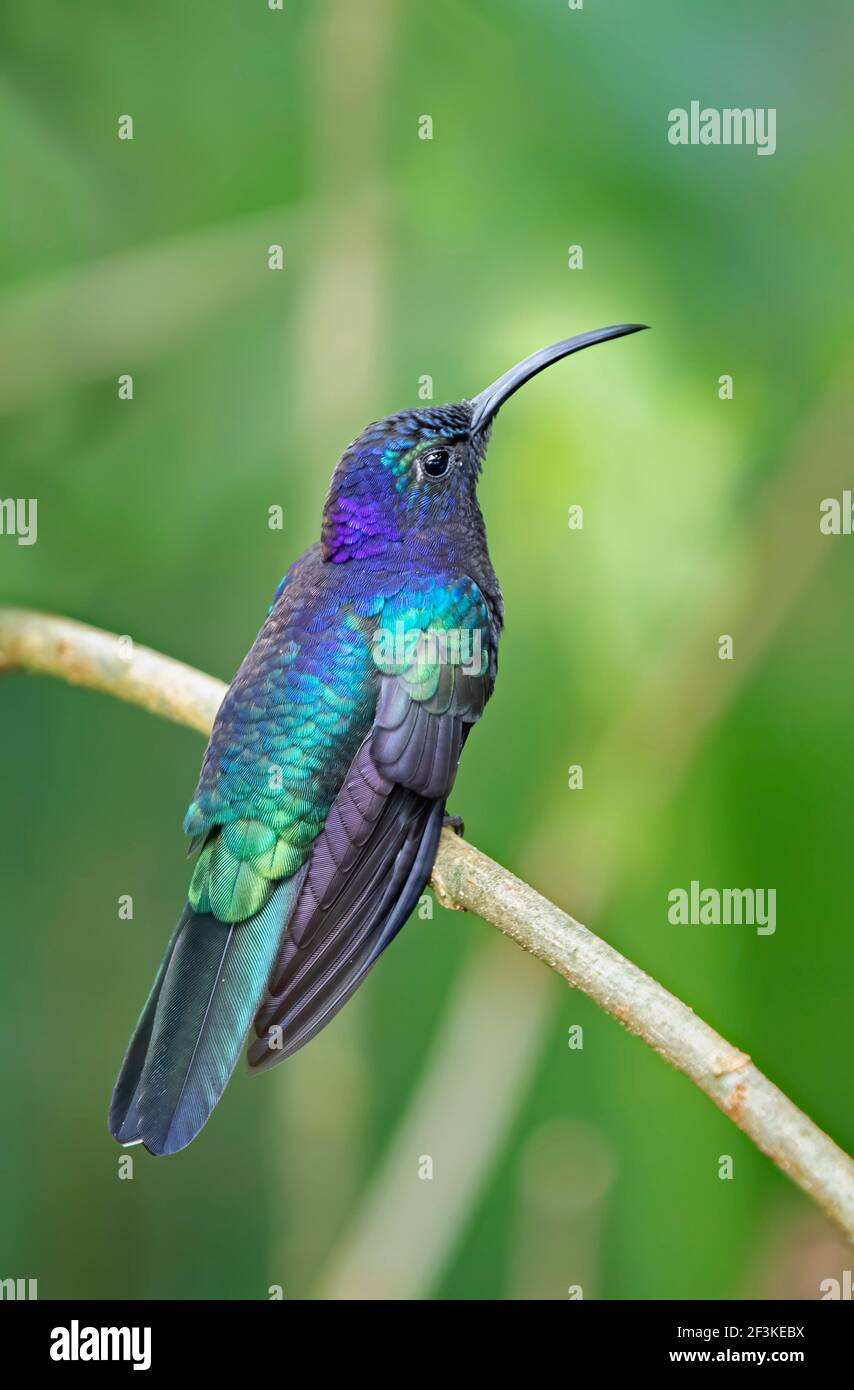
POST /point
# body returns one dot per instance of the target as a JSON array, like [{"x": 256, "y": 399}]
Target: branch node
[{"x": 729, "y": 1063}]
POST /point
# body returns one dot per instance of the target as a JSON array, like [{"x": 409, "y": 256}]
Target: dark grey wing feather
[
  {"x": 369, "y": 865},
  {"x": 332, "y": 945}
]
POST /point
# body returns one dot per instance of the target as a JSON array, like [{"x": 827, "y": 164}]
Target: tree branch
[{"x": 463, "y": 878}]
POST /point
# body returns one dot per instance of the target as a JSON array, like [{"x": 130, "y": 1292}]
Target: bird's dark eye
[{"x": 436, "y": 462}]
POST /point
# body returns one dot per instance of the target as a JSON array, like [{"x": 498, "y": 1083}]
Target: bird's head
[{"x": 412, "y": 477}]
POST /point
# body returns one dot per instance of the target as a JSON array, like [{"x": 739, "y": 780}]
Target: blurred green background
[{"x": 447, "y": 257}]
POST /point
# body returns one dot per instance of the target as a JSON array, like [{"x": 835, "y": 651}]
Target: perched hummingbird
[{"x": 323, "y": 787}]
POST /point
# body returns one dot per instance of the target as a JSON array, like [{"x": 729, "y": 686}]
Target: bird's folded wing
[{"x": 371, "y": 862}]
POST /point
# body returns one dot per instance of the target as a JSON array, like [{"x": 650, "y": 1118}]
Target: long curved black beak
[{"x": 486, "y": 404}]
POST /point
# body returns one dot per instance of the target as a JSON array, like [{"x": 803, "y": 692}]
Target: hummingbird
[{"x": 322, "y": 792}]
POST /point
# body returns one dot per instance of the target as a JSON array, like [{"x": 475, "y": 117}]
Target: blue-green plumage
[{"x": 321, "y": 795}]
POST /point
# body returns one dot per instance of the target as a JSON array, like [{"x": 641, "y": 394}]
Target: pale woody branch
[{"x": 463, "y": 878}]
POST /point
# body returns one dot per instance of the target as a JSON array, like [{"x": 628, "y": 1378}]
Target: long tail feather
[
  {"x": 193, "y": 1027},
  {"x": 123, "y": 1118}
]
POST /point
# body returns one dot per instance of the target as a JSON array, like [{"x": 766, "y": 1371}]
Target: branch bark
[{"x": 465, "y": 879}]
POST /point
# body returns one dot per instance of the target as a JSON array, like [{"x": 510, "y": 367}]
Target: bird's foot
[{"x": 444, "y": 895}]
